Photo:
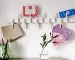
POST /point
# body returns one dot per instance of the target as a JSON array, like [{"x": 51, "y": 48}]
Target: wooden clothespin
[
  {"x": 43, "y": 20},
  {"x": 31, "y": 19},
  {"x": 20, "y": 15},
  {"x": 13, "y": 22},
  {"x": 60, "y": 22},
  {"x": 51, "y": 28},
  {"x": 67, "y": 16},
  {"x": 38, "y": 23},
  {"x": 45, "y": 15},
  {"x": 19, "y": 20},
  {"x": 25, "y": 24},
  {"x": 52, "y": 20}
]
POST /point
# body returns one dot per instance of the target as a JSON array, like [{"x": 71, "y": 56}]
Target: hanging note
[
  {"x": 12, "y": 34},
  {"x": 63, "y": 13},
  {"x": 64, "y": 34}
]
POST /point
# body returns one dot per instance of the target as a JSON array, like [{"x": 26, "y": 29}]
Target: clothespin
[
  {"x": 39, "y": 23},
  {"x": 21, "y": 15},
  {"x": 19, "y": 20},
  {"x": 52, "y": 25},
  {"x": 60, "y": 22},
  {"x": 67, "y": 16},
  {"x": 13, "y": 22},
  {"x": 25, "y": 24},
  {"x": 31, "y": 19},
  {"x": 51, "y": 28},
  {"x": 49, "y": 20},
  {"x": 60, "y": 25},
  {"x": 43, "y": 20},
  {"x": 45, "y": 15}
]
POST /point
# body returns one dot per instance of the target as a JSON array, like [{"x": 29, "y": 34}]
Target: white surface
[
  {"x": 47, "y": 20},
  {"x": 34, "y": 20},
  {"x": 29, "y": 45},
  {"x": 58, "y": 20},
  {"x": 40, "y": 20},
  {"x": 53, "y": 20},
  {"x": 28, "y": 20}
]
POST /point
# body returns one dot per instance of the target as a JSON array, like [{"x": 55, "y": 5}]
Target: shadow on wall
[{"x": 15, "y": 49}]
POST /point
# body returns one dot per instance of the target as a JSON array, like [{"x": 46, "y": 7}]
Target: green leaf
[
  {"x": 40, "y": 43},
  {"x": 44, "y": 37},
  {"x": 49, "y": 41},
  {"x": 55, "y": 36},
  {"x": 50, "y": 33},
  {"x": 44, "y": 42}
]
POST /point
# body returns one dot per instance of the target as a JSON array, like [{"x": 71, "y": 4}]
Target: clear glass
[{"x": 44, "y": 54}]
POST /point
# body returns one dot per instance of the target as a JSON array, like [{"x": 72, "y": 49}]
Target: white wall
[{"x": 29, "y": 45}]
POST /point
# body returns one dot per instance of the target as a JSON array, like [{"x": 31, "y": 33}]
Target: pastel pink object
[
  {"x": 4, "y": 40},
  {"x": 64, "y": 34},
  {"x": 60, "y": 39}
]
